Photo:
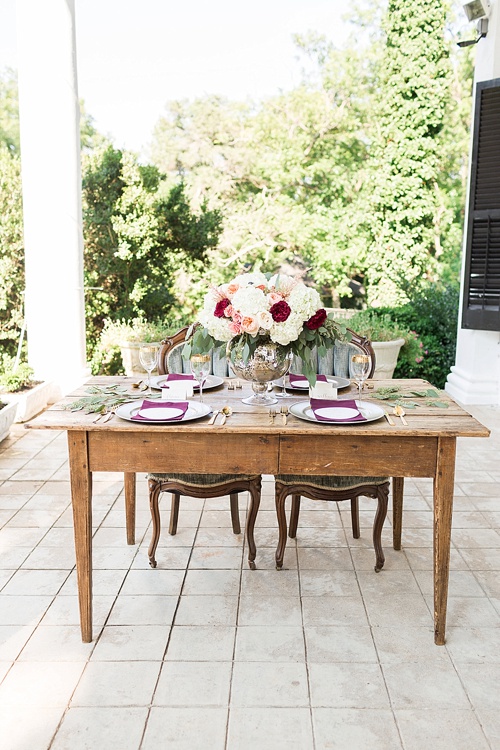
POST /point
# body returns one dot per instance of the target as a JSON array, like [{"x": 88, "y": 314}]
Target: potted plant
[
  {"x": 126, "y": 337},
  {"x": 18, "y": 386},
  {"x": 389, "y": 340},
  {"x": 7, "y": 416}
]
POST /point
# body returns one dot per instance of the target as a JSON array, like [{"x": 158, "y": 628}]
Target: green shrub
[
  {"x": 11, "y": 381},
  {"x": 382, "y": 325},
  {"x": 433, "y": 312},
  {"x": 107, "y": 359}
]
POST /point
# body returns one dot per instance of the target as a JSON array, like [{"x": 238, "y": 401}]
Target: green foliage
[
  {"x": 106, "y": 357},
  {"x": 433, "y": 313},
  {"x": 384, "y": 325},
  {"x": 142, "y": 241},
  {"x": 411, "y": 108},
  {"x": 13, "y": 381},
  {"x": 9, "y": 111},
  {"x": 357, "y": 173},
  {"x": 11, "y": 250}
]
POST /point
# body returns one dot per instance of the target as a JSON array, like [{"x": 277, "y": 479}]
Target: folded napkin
[
  {"x": 345, "y": 410},
  {"x": 302, "y": 380},
  {"x": 160, "y": 406},
  {"x": 177, "y": 376}
]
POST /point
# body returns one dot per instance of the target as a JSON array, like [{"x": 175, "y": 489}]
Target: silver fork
[
  {"x": 272, "y": 414},
  {"x": 284, "y": 413}
]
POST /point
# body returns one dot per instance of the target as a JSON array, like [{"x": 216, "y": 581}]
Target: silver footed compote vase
[{"x": 269, "y": 361}]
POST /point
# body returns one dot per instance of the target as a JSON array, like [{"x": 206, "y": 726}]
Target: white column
[
  {"x": 475, "y": 377},
  {"x": 51, "y": 175}
]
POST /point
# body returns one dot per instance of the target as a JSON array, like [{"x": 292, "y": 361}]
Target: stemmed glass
[
  {"x": 360, "y": 368},
  {"x": 200, "y": 367},
  {"x": 148, "y": 357},
  {"x": 282, "y": 393}
]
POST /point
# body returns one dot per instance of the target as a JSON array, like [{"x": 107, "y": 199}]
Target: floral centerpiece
[{"x": 252, "y": 309}]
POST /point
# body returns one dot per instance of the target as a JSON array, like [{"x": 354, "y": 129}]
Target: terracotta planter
[
  {"x": 7, "y": 417},
  {"x": 31, "y": 402},
  {"x": 386, "y": 358}
]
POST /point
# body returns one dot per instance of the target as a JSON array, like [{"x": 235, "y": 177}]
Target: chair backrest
[
  {"x": 170, "y": 357},
  {"x": 335, "y": 362}
]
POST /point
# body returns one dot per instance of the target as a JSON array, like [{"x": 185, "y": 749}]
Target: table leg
[
  {"x": 129, "y": 482},
  {"x": 443, "y": 507},
  {"x": 81, "y": 498}
]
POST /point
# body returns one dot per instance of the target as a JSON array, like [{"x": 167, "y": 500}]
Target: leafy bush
[
  {"x": 433, "y": 312},
  {"x": 107, "y": 360},
  {"x": 11, "y": 381},
  {"x": 379, "y": 325}
]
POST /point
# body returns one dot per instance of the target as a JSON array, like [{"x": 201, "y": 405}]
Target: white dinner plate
[
  {"x": 195, "y": 410},
  {"x": 212, "y": 381},
  {"x": 335, "y": 381},
  {"x": 371, "y": 412}
]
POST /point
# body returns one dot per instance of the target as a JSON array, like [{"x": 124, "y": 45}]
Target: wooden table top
[{"x": 451, "y": 421}]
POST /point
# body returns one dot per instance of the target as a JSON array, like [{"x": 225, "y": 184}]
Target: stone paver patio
[{"x": 204, "y": 653}]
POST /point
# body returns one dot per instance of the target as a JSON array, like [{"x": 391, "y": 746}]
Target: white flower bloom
[
  {"x": 249, "y": 301},
  {"x": 265, "y": 320},
  {"x": 251, "y": 279}
]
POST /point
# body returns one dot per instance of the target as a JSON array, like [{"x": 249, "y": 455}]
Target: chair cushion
[
  {"x": 334, "y": 483},
  {"x": 202, "y": 480}
]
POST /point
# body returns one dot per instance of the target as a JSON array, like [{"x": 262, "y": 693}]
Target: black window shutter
[{"x": 481, "y": 302}]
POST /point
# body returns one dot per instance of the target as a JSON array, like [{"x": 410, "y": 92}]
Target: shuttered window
[{"x": 481, "y": 303}]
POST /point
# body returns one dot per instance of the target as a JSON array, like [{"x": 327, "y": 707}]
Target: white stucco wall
[
  {"x": 51, "y": 174},
  {"x": 475, "y": 377}
]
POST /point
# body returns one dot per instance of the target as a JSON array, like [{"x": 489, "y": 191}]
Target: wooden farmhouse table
[{"x": 249, "y": 443}]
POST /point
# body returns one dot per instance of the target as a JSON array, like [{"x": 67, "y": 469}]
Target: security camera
[{"x": 477, "y": 9}]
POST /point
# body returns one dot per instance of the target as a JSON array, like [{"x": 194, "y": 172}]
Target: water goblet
[
  {"x": 360, "y": 368},
  {"x": 148, "y": 357},
  {"x": 200, "y": 367}
]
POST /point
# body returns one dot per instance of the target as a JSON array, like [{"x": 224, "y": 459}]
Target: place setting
[{"x": 324, "y": 406}]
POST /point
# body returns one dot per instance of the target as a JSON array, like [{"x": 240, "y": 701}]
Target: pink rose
[
  {"x": 232, "y": 289},
  {"x": 249, "y": 325},
  {"x": 235, "y": 328},
  {"x": 229, "y": 311},
  {"x": 274, "y": 298}
]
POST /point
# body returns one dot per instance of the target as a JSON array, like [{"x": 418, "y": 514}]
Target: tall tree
[
  {"x": 403, "y": 190},
  {"x": 143, "y": 243}
]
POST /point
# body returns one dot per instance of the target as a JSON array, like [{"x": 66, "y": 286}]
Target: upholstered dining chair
[
  {"x": 336, "y": 488},
  {"x": 197, "y": 485}
]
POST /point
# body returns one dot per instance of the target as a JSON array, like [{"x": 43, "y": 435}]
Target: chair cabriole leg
[
  {"x": 252, "y": 515},
  {"x": 235, "y": 515},
  {"x": 380, "y": 516},
  {"x": 154, "y": 493},
  {"x": 280, "y": 497},
  {"x": 174, "y": 513},
  {"x": 294, "y": 516}
]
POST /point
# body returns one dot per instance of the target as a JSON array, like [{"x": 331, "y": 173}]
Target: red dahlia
[
  {"x": 316, "y": 320},
  {"x": 220, "y": 307},
  {"x": 280, "y": 311}
]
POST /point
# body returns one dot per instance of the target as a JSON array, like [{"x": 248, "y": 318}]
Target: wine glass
[
  {"x": 200, "y": 367},
  {"x": 148, "y": 357},
  {"x": 282, "y": 393},
  {"x": 360, "y": 367}
]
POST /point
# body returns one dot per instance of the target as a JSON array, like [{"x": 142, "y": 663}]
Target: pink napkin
[
  {"x": 302, "y": 380},
  {"x": 161, "y": 405},
  {"x": 320, "y": 403}
]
